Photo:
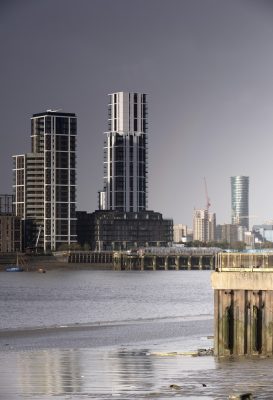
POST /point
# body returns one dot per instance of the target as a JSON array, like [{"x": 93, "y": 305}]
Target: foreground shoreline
[{"x": 155, "y": 368}]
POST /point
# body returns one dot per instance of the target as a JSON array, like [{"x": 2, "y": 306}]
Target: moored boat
[{"x": 14, "y": 268}]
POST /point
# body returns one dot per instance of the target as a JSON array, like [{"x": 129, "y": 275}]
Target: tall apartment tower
[
  {"x": 45, "y": 179},
  {"x": 239, "y": 201},
  {"x": 125, "y": 154}
]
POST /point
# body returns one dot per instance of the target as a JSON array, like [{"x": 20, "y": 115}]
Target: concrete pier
[
  {"x": 243, "y": 304},
  {"x": 166, "y": 258}
]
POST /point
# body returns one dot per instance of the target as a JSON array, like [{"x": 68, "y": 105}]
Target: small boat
[
  {"x": 42, "y": 270},
  {"x": 14, "y": 268}
]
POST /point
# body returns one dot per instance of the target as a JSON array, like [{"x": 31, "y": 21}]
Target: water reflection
[
  {"x": 49, "y": 372},
  {"x": 128, "y": 373},
  {"x": 87, "y": 372},
  {"x": 133, "y": 364}
]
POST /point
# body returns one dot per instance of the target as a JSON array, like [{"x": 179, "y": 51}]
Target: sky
[{"x": 206, "y": 65}]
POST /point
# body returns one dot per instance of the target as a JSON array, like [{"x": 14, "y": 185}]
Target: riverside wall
[{"x": 51, "y": 262}]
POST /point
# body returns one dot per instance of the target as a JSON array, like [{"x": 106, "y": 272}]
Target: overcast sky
[{"x": 207, "y": 66}]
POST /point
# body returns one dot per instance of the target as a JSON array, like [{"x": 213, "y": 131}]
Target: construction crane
[{"x": 208, "y": 204}]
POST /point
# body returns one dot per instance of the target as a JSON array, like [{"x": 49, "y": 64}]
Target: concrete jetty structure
[
  {"x": 166, "y": 258},
  {"x": 243, "y": 304},
  {"x": 146, "y": 258}
]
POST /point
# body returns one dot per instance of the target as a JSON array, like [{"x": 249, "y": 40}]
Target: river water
[{"x": 105, "y": 334}]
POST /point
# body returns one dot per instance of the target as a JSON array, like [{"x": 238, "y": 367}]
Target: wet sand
[{"x": 104, "y": 334}]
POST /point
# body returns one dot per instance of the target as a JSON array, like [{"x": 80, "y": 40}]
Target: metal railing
[{"x": 244, "y": 261}]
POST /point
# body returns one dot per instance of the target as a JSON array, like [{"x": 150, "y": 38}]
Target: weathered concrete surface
[
  {"x": 243, "y": 313},
  {"x": 242, "y": 280}
]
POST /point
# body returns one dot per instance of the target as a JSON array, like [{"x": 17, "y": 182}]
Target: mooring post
[{"x": 189, "y": 262}]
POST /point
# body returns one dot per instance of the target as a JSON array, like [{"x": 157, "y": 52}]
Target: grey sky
[{"x": 207, "y": 66}]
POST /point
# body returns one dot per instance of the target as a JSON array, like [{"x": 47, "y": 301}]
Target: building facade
[
  {"x": 7, "y": 204},
  {"x": 211, "y": 227},
  {"x": 125, "y": 154},
  {"x": 200, "y": 225},
  {"x": 263, "y": 233},
  {"x": 10, "y": 226},
  {"x": 115, "y": 230},
  {"x": 180, "y": 233},
  {"x": 227, "y": 233},
  {"x": 45, "y": 180},
  {"x": 204, "y": 225},
  {"x": 240, "y": 201}
]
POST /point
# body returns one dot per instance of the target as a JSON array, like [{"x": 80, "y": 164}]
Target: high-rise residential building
[
  {"x": 45, "y": 180},
  {"x": 204, "y": 225},
  {"x": 240, "y": 200},
  {"x": 123, "y": 221},
  {"x": 125, "y": 153}
]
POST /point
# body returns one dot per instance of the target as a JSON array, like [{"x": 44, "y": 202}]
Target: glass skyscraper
[{"x": 239, "y": 201}]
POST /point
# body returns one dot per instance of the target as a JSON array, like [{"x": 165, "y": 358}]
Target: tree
[
  {"x": 239, "y": 246},
  {"x": 86, "y": 247}
]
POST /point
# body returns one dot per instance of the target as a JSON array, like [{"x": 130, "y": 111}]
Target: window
[
  {"x": 61, "y": 193},
  {"x": 62, "y": 143},
  {"x": 61, "y": 160},
  {"x": 73, "y": 126},
  {"x": 61, "y": 126}
]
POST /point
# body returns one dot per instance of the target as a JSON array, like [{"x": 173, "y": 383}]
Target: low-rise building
[{"x": 116, "y": 230}]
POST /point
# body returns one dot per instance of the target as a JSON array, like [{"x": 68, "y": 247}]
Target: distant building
[
  {"x": 241, "y": 233},
  {"x": 227, "y": 233},
  {"x": 240, "y": 201},
  {"x": 211, "y": 227},
  {"x": 45, "y": 181},
  {"x": 180, "y": 233},
  {"x": 200, "y": 225},
  {"x": 10, "y": 226},
  {"x": 263, "y": 232},
  {"x": 204, "y": 225},
  {"x": 249, "y": 239}
]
